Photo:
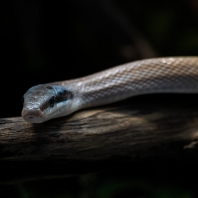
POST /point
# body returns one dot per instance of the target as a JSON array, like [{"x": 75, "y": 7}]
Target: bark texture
[{"x": 132, "y": 130}]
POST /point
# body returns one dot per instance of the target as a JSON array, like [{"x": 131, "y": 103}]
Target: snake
[{"x": 147, "y": 76}]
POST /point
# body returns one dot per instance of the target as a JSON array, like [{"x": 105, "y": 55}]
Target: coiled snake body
[{"x": 157, "y": 75}]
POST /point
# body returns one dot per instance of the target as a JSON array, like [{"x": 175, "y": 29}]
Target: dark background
[{"x": 45, "y": 41}]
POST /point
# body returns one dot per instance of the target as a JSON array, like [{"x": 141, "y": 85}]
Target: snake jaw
[{"x": 32, "y": 115}]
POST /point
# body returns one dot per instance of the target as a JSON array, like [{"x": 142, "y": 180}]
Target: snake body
[{"x": 157, "y": 75}]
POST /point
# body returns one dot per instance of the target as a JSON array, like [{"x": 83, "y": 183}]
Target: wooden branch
[{"x": 142, "y": 128}]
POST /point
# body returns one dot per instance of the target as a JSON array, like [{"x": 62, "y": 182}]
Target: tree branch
[{"x": 88, "y": 140}]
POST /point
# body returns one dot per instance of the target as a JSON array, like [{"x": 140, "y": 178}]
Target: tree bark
[{"x": 91, "y": 139}]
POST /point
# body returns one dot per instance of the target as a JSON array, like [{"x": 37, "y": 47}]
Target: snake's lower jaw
[{"x": 32, "y": 115}]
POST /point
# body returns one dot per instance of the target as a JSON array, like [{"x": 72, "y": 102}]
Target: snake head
[{"x": 44, "y": 102}]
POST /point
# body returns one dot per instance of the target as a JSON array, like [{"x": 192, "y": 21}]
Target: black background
[{"x": 45, "y": 41}]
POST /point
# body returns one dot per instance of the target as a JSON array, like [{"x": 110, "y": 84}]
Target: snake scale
[{"x": 157, "y": 75}]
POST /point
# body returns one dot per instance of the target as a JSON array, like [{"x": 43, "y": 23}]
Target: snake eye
[{"x": 52, "y": 101}]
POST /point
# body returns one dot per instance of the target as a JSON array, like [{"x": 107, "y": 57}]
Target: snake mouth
[{"x": 32, "y": 115}]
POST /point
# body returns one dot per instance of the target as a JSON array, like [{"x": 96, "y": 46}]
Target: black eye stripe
[
  {"x": 52, "y": 101},
  {"x": 63, "y": 95}
]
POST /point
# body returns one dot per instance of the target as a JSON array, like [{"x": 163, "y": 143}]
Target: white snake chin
[{"x": 157, "y": 75}]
